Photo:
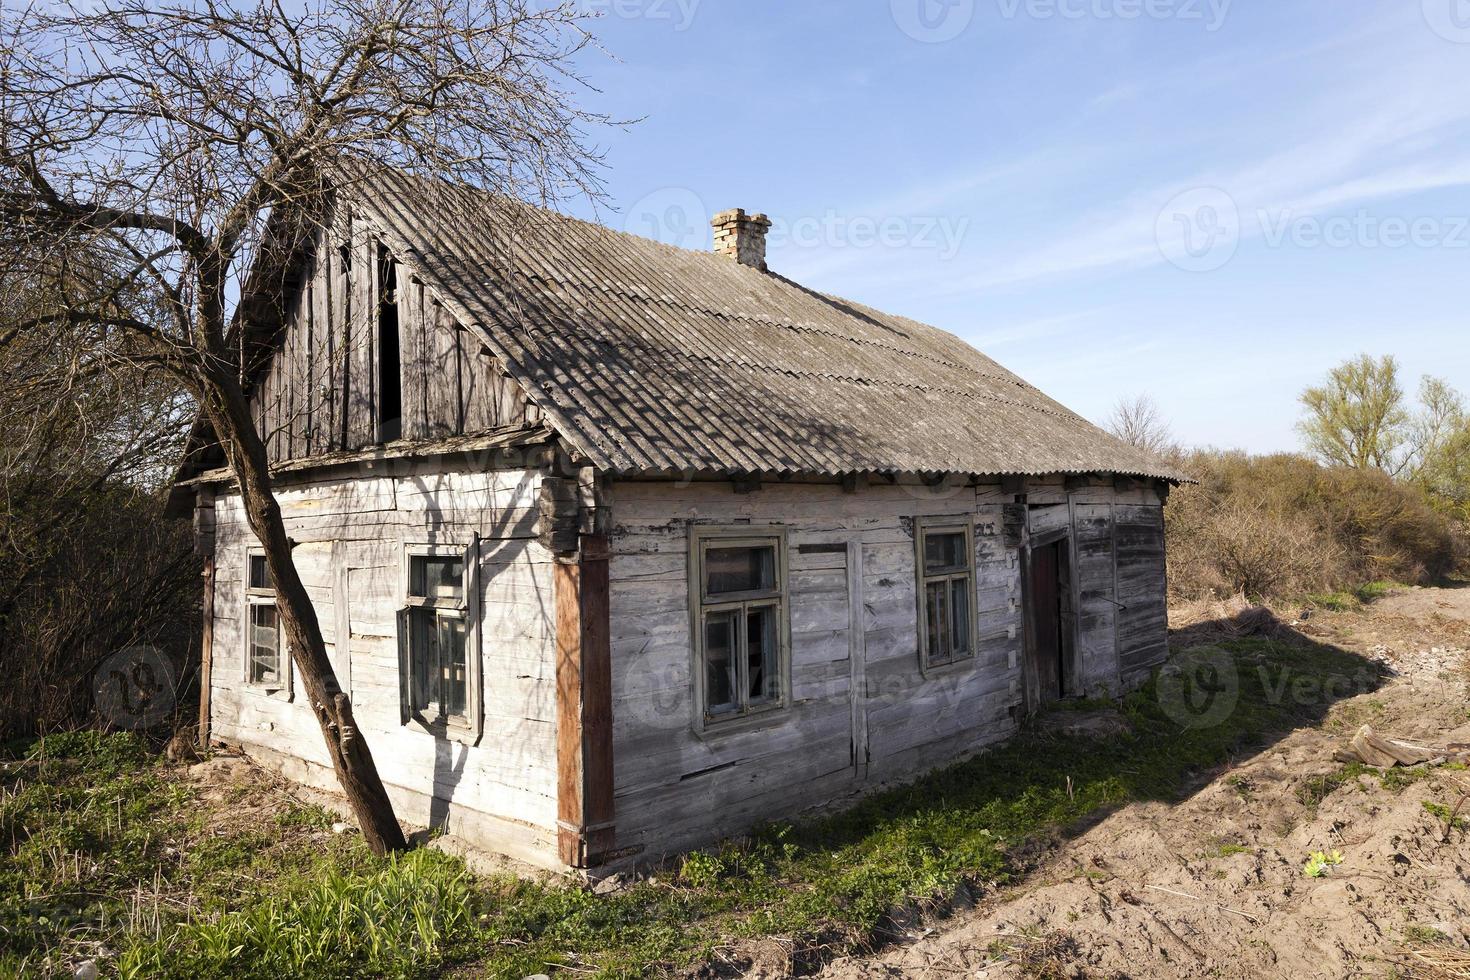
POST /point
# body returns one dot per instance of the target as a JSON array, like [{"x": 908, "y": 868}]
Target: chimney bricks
[{"x": 742, "y": 237}]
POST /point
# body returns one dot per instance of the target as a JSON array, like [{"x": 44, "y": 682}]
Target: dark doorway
[
  {"x": 390, "y": 384},
  {"x": 1051, "y": 621}
]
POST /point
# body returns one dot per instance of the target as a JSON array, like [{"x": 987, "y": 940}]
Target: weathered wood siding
[
  {"x": 352, "y": 536},
  {"x": 863, "y": 712},
  {"x": 853, "y": 632},
  {"x": 318, "y": 393}
]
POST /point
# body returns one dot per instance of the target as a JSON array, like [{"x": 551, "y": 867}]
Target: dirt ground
[{"x": 1214, "y": 886}]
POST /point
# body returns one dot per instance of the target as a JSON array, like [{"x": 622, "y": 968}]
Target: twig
[{"x": 1222, "y": 908}]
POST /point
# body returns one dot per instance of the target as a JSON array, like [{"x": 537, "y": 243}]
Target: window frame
[
  {"x": 923, "y": 528},
  {"x": 468, "y": 728},
  {"x": 701, "y": 603},
  {"x": 284, "y": 688}
]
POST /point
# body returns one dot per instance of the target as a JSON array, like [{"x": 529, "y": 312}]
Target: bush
[{"x": 1284, "y": 526}]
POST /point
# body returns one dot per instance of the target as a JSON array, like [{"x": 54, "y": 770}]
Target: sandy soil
[{"x": 1214, "y": 887}]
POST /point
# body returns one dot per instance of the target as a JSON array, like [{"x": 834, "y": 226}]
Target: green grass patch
[
  {"x": 1334, "y": 601},
  {"x": 288, "y": 898}
]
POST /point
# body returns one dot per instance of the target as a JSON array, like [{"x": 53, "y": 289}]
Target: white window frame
[
  {"x": 255, "y": 597},
  {"x": 701, "y": 539},
  {"x": 924, "y": 527},
  {"x": 469, "y": 728}
]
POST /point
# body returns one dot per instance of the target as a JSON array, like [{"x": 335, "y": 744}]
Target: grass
[
  {"x": 1355, "y": 599},
  {"x": 101, "y": 854}
]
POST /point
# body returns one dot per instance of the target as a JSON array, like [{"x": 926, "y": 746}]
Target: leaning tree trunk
[{"x": 229, "y": 412}]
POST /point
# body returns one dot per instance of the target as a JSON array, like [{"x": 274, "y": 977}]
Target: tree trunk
[{"x": 229, "y": 412}]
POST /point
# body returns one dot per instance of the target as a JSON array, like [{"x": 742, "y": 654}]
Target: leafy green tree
[{"x": 1357, "y": 417}]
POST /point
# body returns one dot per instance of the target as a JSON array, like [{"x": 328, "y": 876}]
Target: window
[
  {"x": 439, "y": 669},
  {"x": 740, "y": 624},
  {"x": 265, "y": 662},
  {"x": 946, "y": 560}
]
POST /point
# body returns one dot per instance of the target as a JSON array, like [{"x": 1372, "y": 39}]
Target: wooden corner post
[{"x": 584, "y": 756}]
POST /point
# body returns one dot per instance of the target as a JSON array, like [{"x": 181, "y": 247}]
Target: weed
[
  {"x": 280, "y": 898},
  {"x": 1319, "y": 863},
  {"x": 1426, "y": 936}
]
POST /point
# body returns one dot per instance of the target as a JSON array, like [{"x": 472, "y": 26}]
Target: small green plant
[
  {"x": 1319, "y": 863},
  {"x": 702, "y": 869},
  {"x": 1242, "y": 787},
  {"x": 1426, "y": 936},
  {"x": 1334, "y": 601},
  {"x": 1448, "y": 816},
  {"x": 1230, "y": 849},
  {"x": 1376, "y": 590}
]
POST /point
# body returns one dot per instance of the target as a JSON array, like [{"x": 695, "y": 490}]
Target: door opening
[{"x": 1052, "y": 621}]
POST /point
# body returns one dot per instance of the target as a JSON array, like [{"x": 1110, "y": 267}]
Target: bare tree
[
  {"x": 169, "y": 138},
  {"x": 1138, "y": 422}
]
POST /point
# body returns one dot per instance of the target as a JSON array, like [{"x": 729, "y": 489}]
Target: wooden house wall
[
  {"x": 318, "y": 392},
  {"x": 352, "y": 536},
  {"x": 853, "y": 613}
]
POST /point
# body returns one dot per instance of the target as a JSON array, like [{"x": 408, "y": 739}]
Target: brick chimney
[{"x": 742, "y": 237}]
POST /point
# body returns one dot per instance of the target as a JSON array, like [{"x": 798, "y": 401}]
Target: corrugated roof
[{"x": 651, "y": 358}]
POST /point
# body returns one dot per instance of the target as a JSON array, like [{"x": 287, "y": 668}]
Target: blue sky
[{"x": 1208, "y": 201}]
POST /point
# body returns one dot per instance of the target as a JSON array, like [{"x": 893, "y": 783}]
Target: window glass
[
  {"x": 945, "y": 583},
  {"x": 944, "y": 552},
  {"x": 435, "y": 577},
  {"x": 260, "y": 576},
  {"x": 265, "y": 644},
  {"x": 959, "y": 606},
  {"x": 731, "y": 570},
  {"x": 719, "y": 647},
  {"x": 761, "y": 655}
]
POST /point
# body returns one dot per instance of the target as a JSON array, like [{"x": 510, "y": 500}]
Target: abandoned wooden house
[{"x": 620, "y": 547}]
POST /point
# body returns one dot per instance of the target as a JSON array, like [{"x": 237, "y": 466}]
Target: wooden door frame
[{"x": 1071, "y": 672}]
